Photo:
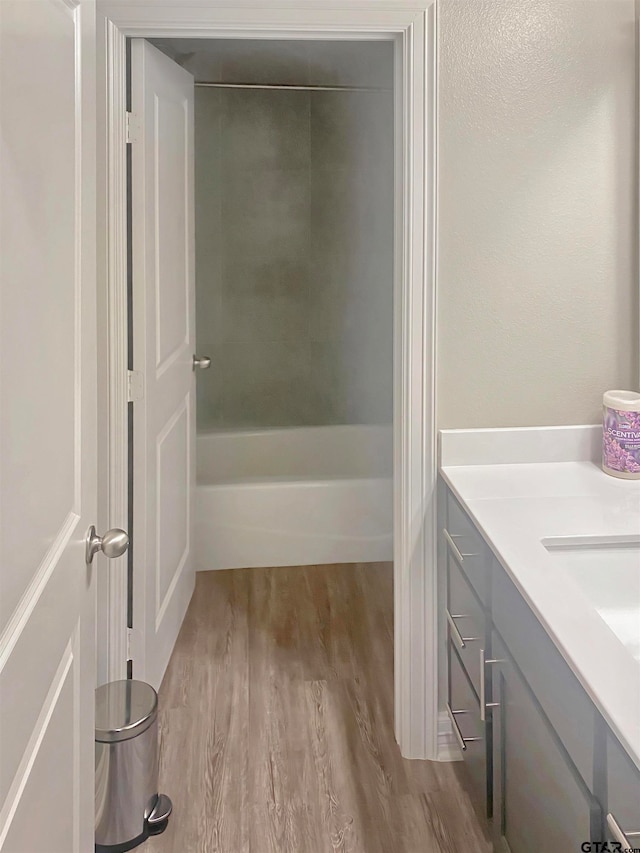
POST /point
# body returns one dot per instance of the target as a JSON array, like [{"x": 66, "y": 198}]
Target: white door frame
[{"x": 412, "y": 24}]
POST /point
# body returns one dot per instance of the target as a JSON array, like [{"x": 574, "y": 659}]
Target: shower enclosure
[{"x": 294, "y": 300}]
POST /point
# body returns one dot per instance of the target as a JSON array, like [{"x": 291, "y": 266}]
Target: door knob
[
  {"x": 113, "y": 544},
  {"x": 201, "y": 361}
]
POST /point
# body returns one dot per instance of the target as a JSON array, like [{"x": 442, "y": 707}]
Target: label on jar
[{"x": 621, "y": 441}]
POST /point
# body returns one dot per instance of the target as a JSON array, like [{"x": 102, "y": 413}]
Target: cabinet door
[
  {"x": 623, "y": 796},
  {"x": 562, "y": 698},
  {"x": 540, "y": 800}
]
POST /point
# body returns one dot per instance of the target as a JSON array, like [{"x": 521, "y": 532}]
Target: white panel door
[
  {"x": 163, "y": 348},
  {"x": 48, "y": 448}
]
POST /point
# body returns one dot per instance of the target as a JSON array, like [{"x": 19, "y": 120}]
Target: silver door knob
[
  {"x": 201, "y": 361},
  {"x": 113, "y": 544}
]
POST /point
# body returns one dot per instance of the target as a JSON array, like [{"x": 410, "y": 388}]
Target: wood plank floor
[{"x": 276, "y": 724}]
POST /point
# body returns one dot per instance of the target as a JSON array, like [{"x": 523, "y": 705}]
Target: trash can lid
[{"x": 124, "y": 709}]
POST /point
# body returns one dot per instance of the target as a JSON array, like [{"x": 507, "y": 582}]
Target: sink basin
[{"x": 608, "y": 573}]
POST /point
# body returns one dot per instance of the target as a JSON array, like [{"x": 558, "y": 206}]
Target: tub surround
[
  {"x": 294, "y": 235},
  {"x": 520, "y": 506}
]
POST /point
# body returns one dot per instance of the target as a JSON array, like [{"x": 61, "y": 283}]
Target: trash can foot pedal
[{"x": 160, "y": 812}]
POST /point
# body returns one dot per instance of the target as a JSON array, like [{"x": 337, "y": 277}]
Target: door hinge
[
  {"x": 135, "y": 386},
  {"x": 133, "y": 639},
  {"x": 131, "y": 127}
]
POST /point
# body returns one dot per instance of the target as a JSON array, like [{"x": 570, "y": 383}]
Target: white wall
[
  {"x": 537, "y": 287},
  {"x": 294, "y": 257}
]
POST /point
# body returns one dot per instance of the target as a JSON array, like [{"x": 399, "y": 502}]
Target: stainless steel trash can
[{"x": 128, "y": 806}]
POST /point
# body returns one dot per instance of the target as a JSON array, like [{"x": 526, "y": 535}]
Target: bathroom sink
[{"x": 607, "y": 570}]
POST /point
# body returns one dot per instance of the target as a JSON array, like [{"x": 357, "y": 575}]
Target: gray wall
[
  {"x": 294, "y": 243},
  {"x": 537, "y": 288}
]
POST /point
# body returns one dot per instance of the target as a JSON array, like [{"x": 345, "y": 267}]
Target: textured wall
[
  {"x": 294, "y": 245},
  {"x": 537, "y": 280}
]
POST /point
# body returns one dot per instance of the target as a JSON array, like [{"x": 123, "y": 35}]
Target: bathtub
[{"x": 297, "y": 496}]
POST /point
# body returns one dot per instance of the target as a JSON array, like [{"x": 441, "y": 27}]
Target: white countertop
[{"x": 515, "y": 506}]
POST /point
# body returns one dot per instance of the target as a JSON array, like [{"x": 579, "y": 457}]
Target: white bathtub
[{"x": 299, "y": 496}]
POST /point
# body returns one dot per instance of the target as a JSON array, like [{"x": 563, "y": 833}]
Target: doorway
[
  {"x": 413, "y": 406},
  {"x": 294, "y": 299},
  {"x": 294, "y": 210}
]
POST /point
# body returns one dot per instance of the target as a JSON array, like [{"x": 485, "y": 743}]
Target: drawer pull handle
[
  {"x": 483, "y": 687},
  {"x": 457, "y": 553},
  {"x": 455, "y": 633},
  {"x": 462, "y": 742},
  {"x": 618, "y": 834}
]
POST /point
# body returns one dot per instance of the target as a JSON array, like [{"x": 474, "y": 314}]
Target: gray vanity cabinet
[
  {"x": 542, "y": 763},
  {"x": 540, "y": 801}
]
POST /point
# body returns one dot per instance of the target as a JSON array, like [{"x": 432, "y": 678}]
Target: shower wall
[{"x": 294, "y": 238}]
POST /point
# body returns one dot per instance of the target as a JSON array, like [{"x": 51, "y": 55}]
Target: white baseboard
[{"x": 448, "y": 749}]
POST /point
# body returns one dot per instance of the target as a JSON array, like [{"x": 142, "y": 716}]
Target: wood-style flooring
[{"x": 276, "y": 724}]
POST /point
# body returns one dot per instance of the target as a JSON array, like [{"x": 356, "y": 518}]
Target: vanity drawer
[
  {"x": 466, "y": 621},
  {"x": 560, "y": 694},
  {"x": 623, "y": 795},
  {"x": 468, "y": 547},
  {"x": 471, "y": 733}
]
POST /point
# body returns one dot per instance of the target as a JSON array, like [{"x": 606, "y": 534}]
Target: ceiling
[{"x": 265, "y": 61}]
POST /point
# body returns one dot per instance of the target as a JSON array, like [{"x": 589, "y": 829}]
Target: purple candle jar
[{"x": 621, "y": 434}]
